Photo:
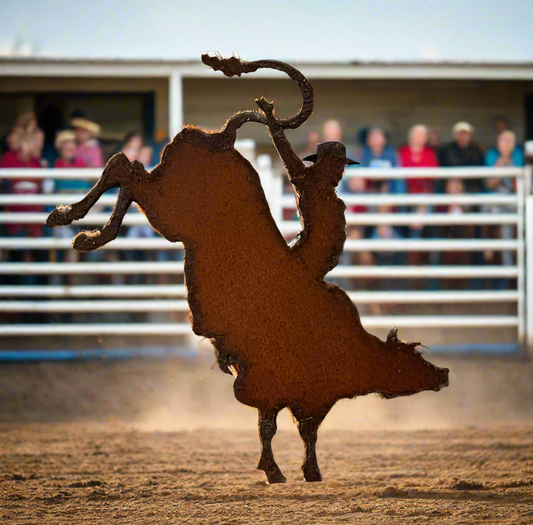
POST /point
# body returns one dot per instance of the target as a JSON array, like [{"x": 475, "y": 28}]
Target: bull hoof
[
  {"x": 86, "y": 242},
  {"x": 275, "y": 477},
  {"x": 61, "y": 216},
  {"x": 272, "y": 471},
  {"x": 312, "y": 474}
]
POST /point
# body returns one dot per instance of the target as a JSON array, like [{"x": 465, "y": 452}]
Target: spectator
[
  {"x": 357, "y": 258},
  {"x": 463, "y": 152},
  {"x": 418, "y": 155},
  {"x": 458, "y": 231},
  {"x": 313, "y": 138},
  {"x": 376, "y": 154},
  {"x": 37, "y": 145},
  {"x": 332, "y": 132},
  {"x": 24, "y": 156},
  {"x": 131, "y": 145},
  {"x": 505, "y": 153},
  {"x": 87, "y": 147},
  {"x": 22, "y": 152},
  {"x": 27, "y": 122},
  {"x": 434, "y": 139},
  {"x": 501, "y": 124},
  {"x": 12, "y": 139},
  {"x": 146, "y": 156},
  {"x": 358, "y": 186},
  {"x": 386, "y": 233},
  {"x": 65, "y": 144},
  {"x": 134, "y": 149},
  {"x": 455, "y": 187}
]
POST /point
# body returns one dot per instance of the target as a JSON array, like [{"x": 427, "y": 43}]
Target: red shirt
[
  {"x": 11, "y": 160},
  {"x": 25, "y": 185},
  {"x": 424, "y": 159},
  {"x": 75, "y": 163}
]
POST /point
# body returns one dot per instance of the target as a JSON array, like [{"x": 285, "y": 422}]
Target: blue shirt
[
  {"x": 387, "y": 159},
  {"x": 517, "y": 157}
]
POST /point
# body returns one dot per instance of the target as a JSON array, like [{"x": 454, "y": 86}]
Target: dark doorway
[{"x": 116, "y": 113}]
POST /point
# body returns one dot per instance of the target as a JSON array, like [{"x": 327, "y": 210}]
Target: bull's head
[{"x": 406, "y": 372}]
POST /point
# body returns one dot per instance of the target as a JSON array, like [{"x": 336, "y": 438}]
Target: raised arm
[
  {"x": 320, "y": 242},
  {"x": 293, "y": 164}
]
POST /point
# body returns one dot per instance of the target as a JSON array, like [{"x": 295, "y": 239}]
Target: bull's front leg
[
  {"x": 116, "y": 173},
  {"x": 87, "y": 241}
]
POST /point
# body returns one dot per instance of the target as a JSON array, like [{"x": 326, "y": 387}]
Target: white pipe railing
[
  {"x": 161, "y": 298},
  {"x": 367, "y": 173},
  {"x": 288, "y": 201},
  {"x": 360, "y": 245},
  {"x": 183, "y": 305},
  {"x": 361, "y": 219},
  {"x": 113, "y": 291},
  {"x": 419, "y": 199},
  {"x": 155, "y": 268},
  {"x": 408, "y": 321},
  {"x": 97, "y": 290}
]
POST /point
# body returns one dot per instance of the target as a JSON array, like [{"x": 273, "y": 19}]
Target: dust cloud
[{"x": 177, "y": 395}]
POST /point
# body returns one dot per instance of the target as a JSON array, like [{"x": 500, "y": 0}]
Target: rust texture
[{"x": 291, "y": 339}]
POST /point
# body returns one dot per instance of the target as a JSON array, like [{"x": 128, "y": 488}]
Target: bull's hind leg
[
  {"x": 88, "y": 241},
  {"x": 267, "y": 430},
  {"x": 116, "y": 172},
  {"x": 308, "y": 428}
]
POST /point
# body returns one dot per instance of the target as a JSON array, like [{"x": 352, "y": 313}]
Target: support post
[
  {"x": 521, "y": 260},
  {"x": 529, "y": 272},
  {"x": 175, "y": 103}
]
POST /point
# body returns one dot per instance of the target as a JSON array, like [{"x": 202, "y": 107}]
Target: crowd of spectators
[
  {"x": 78, "y": 147},
  {"x": 74, "y": 147},
  {"x": 423, "y": 149}
]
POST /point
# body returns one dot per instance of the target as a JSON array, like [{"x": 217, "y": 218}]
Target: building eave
[{"x": 54, "y": 67}]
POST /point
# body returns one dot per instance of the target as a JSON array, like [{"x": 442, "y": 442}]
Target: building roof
[{"x": 454, "y": 70}]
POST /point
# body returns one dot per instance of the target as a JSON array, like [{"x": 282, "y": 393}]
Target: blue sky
[{"x": 332, "y": 30}]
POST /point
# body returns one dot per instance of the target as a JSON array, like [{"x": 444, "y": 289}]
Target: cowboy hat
[
  {"x": 62, "y": 136},
  {"x": 83, "y": 123},
  {"x": 336, "y": 149}
]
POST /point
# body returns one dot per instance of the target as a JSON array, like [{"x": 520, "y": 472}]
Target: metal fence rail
[{"x": 64, "y": 299}]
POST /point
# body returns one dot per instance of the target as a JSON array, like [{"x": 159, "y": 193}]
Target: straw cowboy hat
[
  {"x": 83, "y": 123},
  {"x": 64, "y": 135},
  {"x": 462, "y": 126}
]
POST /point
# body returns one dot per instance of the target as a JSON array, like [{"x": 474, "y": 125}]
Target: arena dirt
[{"x": 165, "y": 442}]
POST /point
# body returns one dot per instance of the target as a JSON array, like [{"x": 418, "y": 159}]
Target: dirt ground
[{"x": 145, "y": 442}]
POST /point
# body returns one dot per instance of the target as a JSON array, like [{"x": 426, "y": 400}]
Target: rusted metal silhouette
[{"x": 291, "y": 339}]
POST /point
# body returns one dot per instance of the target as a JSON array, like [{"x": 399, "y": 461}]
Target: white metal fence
[{"x": 486, "y": 209}]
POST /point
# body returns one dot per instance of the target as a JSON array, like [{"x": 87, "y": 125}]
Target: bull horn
[{"x": 393, "y": 336}]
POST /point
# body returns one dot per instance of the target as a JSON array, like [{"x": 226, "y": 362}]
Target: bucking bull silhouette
[{"x": 290, "y": 339}]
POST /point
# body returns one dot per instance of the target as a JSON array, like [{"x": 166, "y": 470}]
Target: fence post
[
  {"x": 521, "y": 260},
  {"x": 270, "y": 183},
  {"x": 529, "y": 272}
]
